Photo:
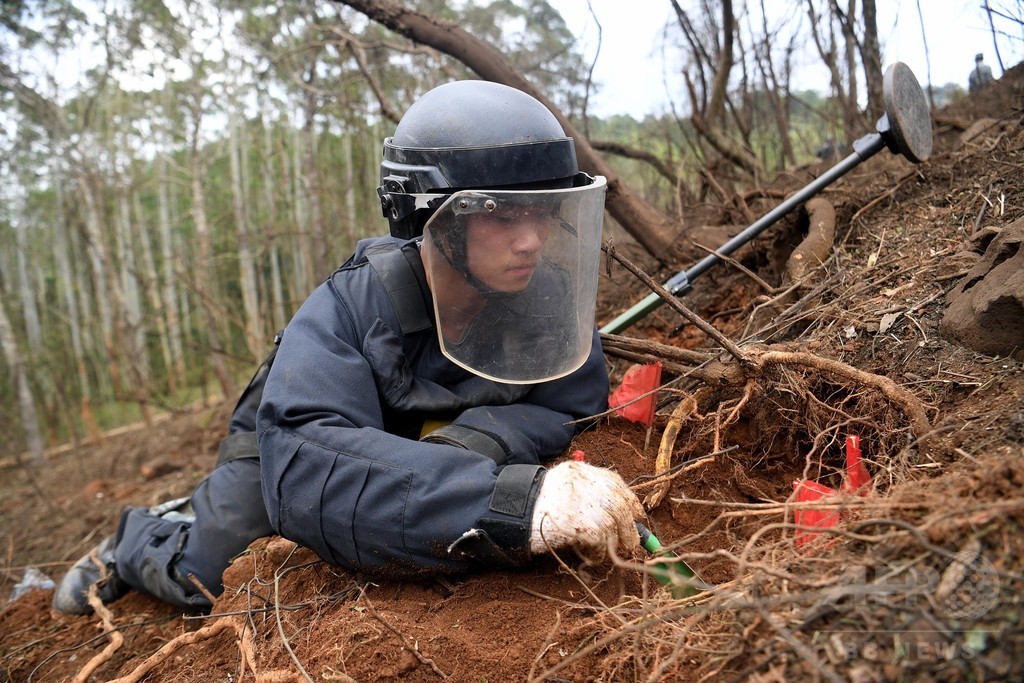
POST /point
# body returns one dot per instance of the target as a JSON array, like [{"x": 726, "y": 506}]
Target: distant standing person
[{"x": 980, "y": 76}]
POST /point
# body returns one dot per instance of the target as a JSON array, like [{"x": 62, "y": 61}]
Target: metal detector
[{"x": 905, "y": 128}]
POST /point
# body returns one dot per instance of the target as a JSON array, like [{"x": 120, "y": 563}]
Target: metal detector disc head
[{"x": 910, "y": 122}]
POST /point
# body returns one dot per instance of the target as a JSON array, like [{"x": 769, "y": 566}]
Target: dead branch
[
  {"x": 738, "y": 266},
  {"x": 625, "y": 353},
  {"x": 650, "y": 226},
  {"x": 678, "y": 470},
  {"x": 664, "y": 351},
  {"x": 411, "y": 647},
  {"x": 549, "y": 642},
  {"x": 678, "y": 305},
  {"x": 278, "y": 573},
  {"x": 619, "y": 149},
  {"x": 885, "y": 195}
]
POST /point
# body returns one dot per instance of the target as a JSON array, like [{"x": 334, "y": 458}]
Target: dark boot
[{"x": 70, "y": 596}]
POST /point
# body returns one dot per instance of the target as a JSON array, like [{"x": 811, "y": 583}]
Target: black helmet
[{"x": 470, "y": 135}]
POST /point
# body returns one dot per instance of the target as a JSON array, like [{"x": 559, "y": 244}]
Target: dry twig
[
  {"x": 678, "y": 305},
  {"x": 412, "y": 648}
]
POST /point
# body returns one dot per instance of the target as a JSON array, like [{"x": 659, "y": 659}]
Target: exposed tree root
[
  {"x": 717, "y": 374},
  {"x": 684, "y": 409},
  {"x": 107, "y": 624},
  {"x": 184, "y": 640},
  {"x": 410, "y": 647},
  {"x": 815, "y": 248},
  {"x": 911, "y": 406},
  {"x": 721, "y": 373}
]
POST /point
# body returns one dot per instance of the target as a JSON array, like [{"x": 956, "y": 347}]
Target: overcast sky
[{"x": 631, "y": 68}]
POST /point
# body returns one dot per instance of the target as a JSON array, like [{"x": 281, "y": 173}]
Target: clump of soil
[{"x": 917, "y": 580}]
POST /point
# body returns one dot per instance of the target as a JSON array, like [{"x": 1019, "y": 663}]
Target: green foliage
[{"x": 41, "y": 23}]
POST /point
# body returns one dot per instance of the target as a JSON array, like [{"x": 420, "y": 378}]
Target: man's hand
[{"x": 585, "y": 507}]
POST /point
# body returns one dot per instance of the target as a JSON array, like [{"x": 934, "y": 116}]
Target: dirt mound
[{"x": 917, "y": 580}]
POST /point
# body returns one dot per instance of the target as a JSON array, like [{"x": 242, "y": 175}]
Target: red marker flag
[
  {"x": 857, "y": 478},
  {"x": 638, "y": 380},
  {"x": 807, "y": 491}
]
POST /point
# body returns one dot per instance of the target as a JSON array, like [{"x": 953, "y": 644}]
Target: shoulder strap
[{"x": 393, "y": 267}]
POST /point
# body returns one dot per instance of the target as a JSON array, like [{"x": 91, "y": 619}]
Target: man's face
[{"x": 503, "y": 251}]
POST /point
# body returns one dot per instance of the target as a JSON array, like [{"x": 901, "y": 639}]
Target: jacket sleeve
[
  {"x": 335, "y": 481},
  {"x": 541, "y": 425}
]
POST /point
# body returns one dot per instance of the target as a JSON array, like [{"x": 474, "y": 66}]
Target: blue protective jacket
[{"x": 345, "y": 472}]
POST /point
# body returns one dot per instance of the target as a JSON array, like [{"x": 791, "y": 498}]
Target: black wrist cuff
[
  {"x": 471, "y": 440},
  {"x": 503, "y": 537}
]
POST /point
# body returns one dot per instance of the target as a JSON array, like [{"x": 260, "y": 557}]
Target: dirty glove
[{"x": 583, "y": 506}]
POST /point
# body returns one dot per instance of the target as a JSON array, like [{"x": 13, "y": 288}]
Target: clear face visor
[{"x": 514, "y": 279}]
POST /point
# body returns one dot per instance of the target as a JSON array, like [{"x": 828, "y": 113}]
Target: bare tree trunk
[
  {"x": 927, "y": 56},
  {"x": 99, "y": 384},
  {"x": 827, "y": 50},
  {"x": 349, "y": 181},
  {"x": 778, "y": 90},
  {"x": 176, "y": 368},
  {"x": 716, "y": 105},
  {"x": 254, "y": 337},
  {"x": 203, "y": 260},
  {"x": 270, "y": 200},
  {"x": 103, "y": 284},
  {"x": 128, "y": 273},
  {"x": 149, "y": 280},
  {"x": 29, "y": 312},
  {"x": 311, "y": 180},
  {"x": 995, "y": 35},
  {"x": 654, "y": 230},
  {"x": 29, "y": 420},
  {"x": 848, "y": 25},
  {"x": 16, "y": 361},
  {"x": 52, "y": 117},
  {"x": 133, "y": 337},
  {"x": 302, "y": 257},
  {"x": 66, "y": 275},
  {"x": 708, "y": 120},
  {"x": 872, "y": 58}
]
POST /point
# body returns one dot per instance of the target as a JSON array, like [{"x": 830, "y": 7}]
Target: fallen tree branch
[
  {"x": 709, "y": 369},
  {"x": 738, "y": 266}
]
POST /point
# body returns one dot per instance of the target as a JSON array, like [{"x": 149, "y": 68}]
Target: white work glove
[{"x": 584, "y": 507}]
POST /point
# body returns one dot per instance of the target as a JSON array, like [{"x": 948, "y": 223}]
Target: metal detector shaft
[
  {"x": 864, "y": 148},
  {"x": 905, "y": 128}
]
